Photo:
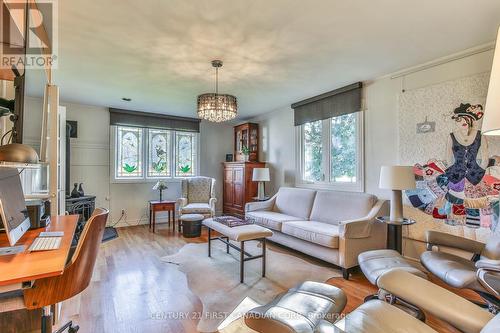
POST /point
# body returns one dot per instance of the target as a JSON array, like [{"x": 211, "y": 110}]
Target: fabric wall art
[{"x": 457, "y": 169}]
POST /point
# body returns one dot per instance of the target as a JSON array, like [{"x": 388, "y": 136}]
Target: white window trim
[
  {"x": 358, "y": 186},
  {"x": 145, "y": 142}
]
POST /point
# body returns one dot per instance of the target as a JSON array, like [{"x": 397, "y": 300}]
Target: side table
[
  {"x": 395, "y": 231},
  {"x": 161, "y": 206}
]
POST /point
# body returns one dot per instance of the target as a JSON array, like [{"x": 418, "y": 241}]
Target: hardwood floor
[{"x": 133, "y": 291}]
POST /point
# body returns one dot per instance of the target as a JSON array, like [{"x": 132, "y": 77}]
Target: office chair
[
  {"x": 75, "y": 278},
  {"x": 84, "y": 210},
  {"x": 460, "y": 272}
]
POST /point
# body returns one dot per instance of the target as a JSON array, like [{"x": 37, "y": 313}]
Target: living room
[{"x": 250, "y": 166}]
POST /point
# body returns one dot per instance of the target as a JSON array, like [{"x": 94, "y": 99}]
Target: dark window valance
[
  {"x": 152, "y": 120},
  {"x": 335, "y": 103}
]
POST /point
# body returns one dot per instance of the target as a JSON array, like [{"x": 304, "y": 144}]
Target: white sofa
[{"x": 330, "y": 225}]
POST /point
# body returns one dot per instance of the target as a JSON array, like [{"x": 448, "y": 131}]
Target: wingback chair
[{"x": 198, "y": 196}]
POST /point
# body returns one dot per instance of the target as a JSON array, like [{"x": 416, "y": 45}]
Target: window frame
[
  {"x": 145, "y": 158},
  {"x": 325, "y": 183}
]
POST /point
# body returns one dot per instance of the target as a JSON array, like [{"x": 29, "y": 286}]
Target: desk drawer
[{"x": 163, "y": 206}]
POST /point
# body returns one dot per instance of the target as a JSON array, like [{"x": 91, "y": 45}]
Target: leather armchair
[
  {"x": 460, "y": 272},
  {"x": 198, "y": 196},
  {"x": 441, "y": 303}
]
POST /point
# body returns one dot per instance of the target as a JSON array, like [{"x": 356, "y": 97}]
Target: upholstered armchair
[{"x": 198, "y": 196}]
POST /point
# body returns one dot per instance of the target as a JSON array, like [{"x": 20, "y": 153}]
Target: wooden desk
[
  {"x": 159, "y": 206},
  {"x": 29, "y": 266}
]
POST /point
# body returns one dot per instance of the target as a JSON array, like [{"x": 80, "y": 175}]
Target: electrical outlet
[{"x": 123, "y": 212}]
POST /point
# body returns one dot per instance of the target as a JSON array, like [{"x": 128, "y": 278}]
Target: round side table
[
  {"x": 191, "y": 225},
  {"x": 395, "y": 231}
]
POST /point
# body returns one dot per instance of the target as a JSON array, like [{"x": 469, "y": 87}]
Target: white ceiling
[{"x": 275, "y": 52}]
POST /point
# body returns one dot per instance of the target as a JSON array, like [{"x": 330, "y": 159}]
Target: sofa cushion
[
  {"x": 271, "y": 220},
  {"x": 337, "y": 206},
  {"x": 316, "y": 232},
  {"x": 294, "y": 202}
]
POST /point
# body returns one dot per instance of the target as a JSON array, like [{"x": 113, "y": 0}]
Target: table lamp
[
  {"x": 261, "y": 175},
  {"x": 397, "y": 178},
  {"x": 491, "y": 119},
  {"x": 160, "y": 186}
]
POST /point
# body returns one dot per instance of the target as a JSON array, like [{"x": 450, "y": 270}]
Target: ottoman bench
[{"x": 241, "y": 234}]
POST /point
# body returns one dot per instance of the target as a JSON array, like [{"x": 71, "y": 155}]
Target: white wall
[
  {"x": 381, "y": 121},
  {"x": 381, "y": 104},
  {"x": 381, "y": 132},
  {"x": 277, "y": 135},
  {"x": 90, "y": 161}
]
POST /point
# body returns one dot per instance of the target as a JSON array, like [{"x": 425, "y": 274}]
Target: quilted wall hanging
[{"x": 457, "y": 169}]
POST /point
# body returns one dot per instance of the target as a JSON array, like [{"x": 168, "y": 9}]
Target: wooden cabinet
[
  {"x": 246, "y": 135},
  {"x": 238, "y": 186}
]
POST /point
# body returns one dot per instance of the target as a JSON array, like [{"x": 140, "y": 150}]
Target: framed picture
[{"x": 229, "y": 157}]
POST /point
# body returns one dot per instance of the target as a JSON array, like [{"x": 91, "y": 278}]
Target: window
[
  {"x": 159, "y": 153},
  {"x": 185, "y": 154},
  {"x": 129, "y": 152},
  {"x": 313, "y": 151},
  {"x": 146, "y": 153},
  {"x": 330, "y": 153}
]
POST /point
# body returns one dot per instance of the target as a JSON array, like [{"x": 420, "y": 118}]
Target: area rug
[{"x": 216, "y": 280}]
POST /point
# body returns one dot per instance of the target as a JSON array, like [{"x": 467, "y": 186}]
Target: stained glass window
[
  {"x": 158, "y": 153},
  {"x": 185, "y": 154},
  {"x": 129, "y": 152},
  {"x": 145, "y": 153}
]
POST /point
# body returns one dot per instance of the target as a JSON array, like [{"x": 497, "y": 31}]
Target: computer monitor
[{"x": 13, "y": 211}]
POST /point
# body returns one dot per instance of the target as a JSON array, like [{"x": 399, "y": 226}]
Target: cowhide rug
[{"x": 216, "y": 280}]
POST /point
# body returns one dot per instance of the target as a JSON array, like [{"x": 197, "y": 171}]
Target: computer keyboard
[{"x": 45, "y": 243}]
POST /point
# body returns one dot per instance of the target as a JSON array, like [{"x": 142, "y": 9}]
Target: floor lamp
[{"x": 396, "y": 178}]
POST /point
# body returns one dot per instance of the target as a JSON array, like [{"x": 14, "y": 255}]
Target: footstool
[
  {"x": 241, "y": 234},
  {"x": 191, "y": 225},
  {"x": 377, "y": 262}
]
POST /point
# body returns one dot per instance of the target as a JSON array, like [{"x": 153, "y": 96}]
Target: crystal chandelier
[{"x": 214, "y": 106}]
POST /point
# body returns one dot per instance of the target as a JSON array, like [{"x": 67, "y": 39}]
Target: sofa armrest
[
  {"x": 181, "y": 202},
  {"x": 437, "y": 238},
  {"x": 357, "y": 236},
  {"x": 435, "y": 300},
  {"x": 361, "y": 228},
  {"x": 260, "y": 205}
]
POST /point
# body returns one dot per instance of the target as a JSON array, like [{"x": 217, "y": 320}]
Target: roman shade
[
  {"x": 335, "y": 103},
  {"x": 152, "y": 120}
]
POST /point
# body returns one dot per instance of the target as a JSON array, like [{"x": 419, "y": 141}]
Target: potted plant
[{"x": 246, "y": 152}]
